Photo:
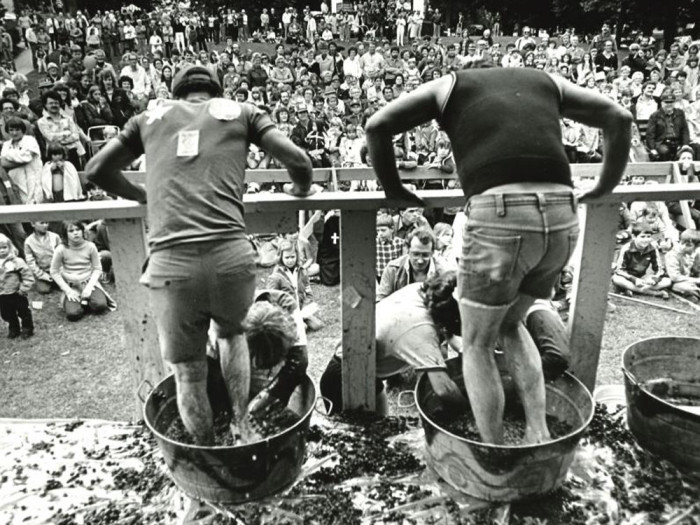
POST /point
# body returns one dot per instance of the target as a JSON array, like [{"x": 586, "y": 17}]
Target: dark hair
[
  {"x": 51, "y": 94},
  {"x": 16, "y": 123},
  {"x": 641, "y": 227},
  {"x": 14, "y": 103},
  {"x": 126, "y": 78},
  {"x": 437, "y": 297},
  {"x": 66, "y": 225},
  {"x": 54, "y": 148},
  {"x": 424, "y": 235}
]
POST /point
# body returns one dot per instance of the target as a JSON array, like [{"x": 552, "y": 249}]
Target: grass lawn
[{"x": 81, "y": 369}]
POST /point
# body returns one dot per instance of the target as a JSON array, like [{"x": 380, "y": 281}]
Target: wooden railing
[{"x": 278, "y": 213}]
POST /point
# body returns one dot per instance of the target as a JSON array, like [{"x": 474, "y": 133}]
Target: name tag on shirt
[{"x": 188, "y": 143}]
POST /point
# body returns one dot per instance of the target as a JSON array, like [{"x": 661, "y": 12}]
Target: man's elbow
[
  {"x": 375, "y": 125},
  {"x": 92, "y": 170},
  {"x": 620, "y": 119}
]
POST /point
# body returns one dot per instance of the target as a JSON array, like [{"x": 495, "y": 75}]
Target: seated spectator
[
  {"x": 683, "y": 265},
  {"x": 21, "y": 157},
  {"x": 60, "y": 181},
  {"x": 388, "y": 246},
  {"x": 411, "y": 325},
  {"x": 38, "y": 251},
  {"x": 76, "y": 269},
  {"x": 15, "y": 282},
  {"x": 118, "y": 100},
  {"x": 667, "y": 129},
  {"x": 94, "y": 110},
  {"x": 290, "y": 277},
  {"x": 415, "y": 267},
  {"x": 633, "y": 263}
]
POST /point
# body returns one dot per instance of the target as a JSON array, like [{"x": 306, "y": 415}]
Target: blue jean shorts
[
  {"x": 191, "y": 284},
  {"x": 516, "y": 243}
]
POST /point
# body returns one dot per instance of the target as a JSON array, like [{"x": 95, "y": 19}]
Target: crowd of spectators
[{"x": 321, "y": 76}]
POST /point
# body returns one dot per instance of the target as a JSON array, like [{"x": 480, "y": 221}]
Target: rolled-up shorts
[
  {"x": 191, "y": 284},
  {"x": 515, "y": 243}
]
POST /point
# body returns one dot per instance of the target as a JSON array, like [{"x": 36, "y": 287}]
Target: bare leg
[
  {"x": 480, "y": 327},
  {"x": 525, "y": 366},
  {"x": 193, "y": 402},
  {"x": 235, "y": 366}
]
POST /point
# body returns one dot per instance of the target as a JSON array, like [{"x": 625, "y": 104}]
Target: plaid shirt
[{"x": 388, "y": 251}]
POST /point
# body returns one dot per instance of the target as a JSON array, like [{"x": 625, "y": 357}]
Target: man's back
[{"x": 196, "y": 153}]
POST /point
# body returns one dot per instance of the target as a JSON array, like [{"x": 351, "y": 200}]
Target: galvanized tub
[
  {"x": 502, "y": 472},
  {"x": 231, "y": 474},
  {"x": 658, "y": 371}
]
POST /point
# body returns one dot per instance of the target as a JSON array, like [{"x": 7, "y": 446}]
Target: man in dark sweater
[{"x": 522, "y": 212}]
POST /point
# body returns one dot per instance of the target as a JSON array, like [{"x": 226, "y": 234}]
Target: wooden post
[
  {"x": 128, "y": 246},
  {"x": 591, "y": 284},
  {"x": 357, "y": 279},
  {"x": 685, "y": 208}
]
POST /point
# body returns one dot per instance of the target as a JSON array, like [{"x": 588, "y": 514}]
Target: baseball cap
[
  {"x": 668, "y": 97},
  {"x": 301, "y": 108},
  {"x": 198, "y": 76}
]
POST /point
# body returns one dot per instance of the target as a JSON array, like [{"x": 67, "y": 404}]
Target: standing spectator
[
  {"x": 607, "y": 60},
  {"x": 388, "y": 246},
  {"x": 38, "y": 250},
  {"x": 56, "y": 127},
  {"x": 21, "y": 158},
  {"x": 372, "y": 63},
  {"x": 437, "y": 22},
  {"x": 130, "y": 43},
  {"x": 526, "y": 40},
  {"x": 141, "y": 87},
  {"x": 15, "y": 282}
]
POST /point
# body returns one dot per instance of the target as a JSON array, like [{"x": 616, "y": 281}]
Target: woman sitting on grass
[{"x": 76, "y": 269}]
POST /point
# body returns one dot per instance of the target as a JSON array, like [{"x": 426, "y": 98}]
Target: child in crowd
[
  {"x": 683, "y": 265},
  {"x": 388, "y": 246},
  {"x": 443, "y": 246},
  {"x": 38, "y": 249},
  {"x": 290, "y": 276},
  {"x": 634, "y": 261},
  {"x": 76, "y": 268},
  {"x": 15, "y": 282},
  {"x": 59, "y": 178}
]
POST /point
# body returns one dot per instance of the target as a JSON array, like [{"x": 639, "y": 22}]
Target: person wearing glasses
[
  {"x": 416, "y": 266},
  {"x": 504, "y": 126}
]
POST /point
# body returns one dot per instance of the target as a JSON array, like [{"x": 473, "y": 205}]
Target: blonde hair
[
  {"x": 5, "y": 240},
  {"x": 270, "y": 332}
]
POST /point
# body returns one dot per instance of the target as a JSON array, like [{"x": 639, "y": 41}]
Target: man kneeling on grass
[{"x": 633, "y": 264}]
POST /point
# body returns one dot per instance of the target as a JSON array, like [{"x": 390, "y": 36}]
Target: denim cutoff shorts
[
  {"x": 516, "y": 243},
  {"x": 191, "y": 284}
]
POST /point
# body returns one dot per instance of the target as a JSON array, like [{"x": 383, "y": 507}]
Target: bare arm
[
  {"x": 294, "y": 158},
  {"x": 400, "y": 116},
  {"x": 105, "y": 170},
  {"x": 594, "y": 109}
]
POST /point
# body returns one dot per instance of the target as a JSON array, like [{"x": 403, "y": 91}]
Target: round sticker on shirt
[{"x": 224, "y": 109}]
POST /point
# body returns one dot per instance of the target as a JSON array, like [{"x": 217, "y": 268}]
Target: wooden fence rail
[{"x": 277, "y": 212}]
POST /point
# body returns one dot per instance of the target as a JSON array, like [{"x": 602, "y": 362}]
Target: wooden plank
[
  {"x": 358, "y": 292},
  {"x": 271, "y": 222},
  {"x": 128, "y": 247},
  {"x": 113, "y": 209},
  {"x": 591, "y": 284}
]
